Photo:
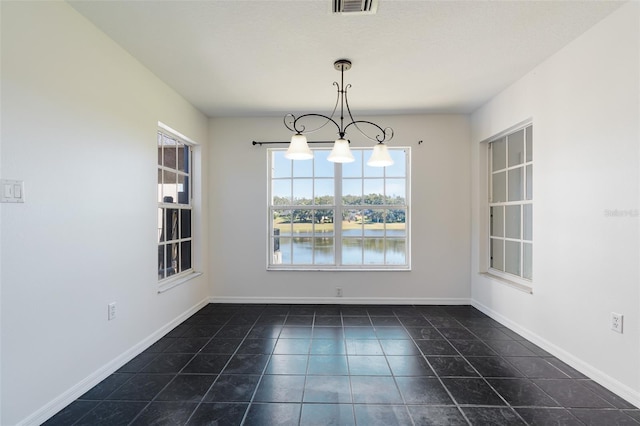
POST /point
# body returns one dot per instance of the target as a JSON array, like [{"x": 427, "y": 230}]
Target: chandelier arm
[
  {"x": 302, "y": 130},
  {"x": 380, "y": 138}
]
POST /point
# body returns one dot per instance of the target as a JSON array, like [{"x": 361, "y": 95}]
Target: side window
[
  {"x": 174, "y": 205},
  {"x": 511, "y": 203}
]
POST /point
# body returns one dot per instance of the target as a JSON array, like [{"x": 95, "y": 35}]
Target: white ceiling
[{"x": 252, "y": 58}]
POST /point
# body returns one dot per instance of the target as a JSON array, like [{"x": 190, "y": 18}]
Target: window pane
[
  {"x": 183, "y": 189},
  {"x": 302, "y": 251},
  {"x": 185, "y": 223},
  {"x": 352, "y": 251},
  {"x": 324, "y": 253},
  {"x": 185, "y": 256},
  {"x": 527, "y": 222},
  {"x": 353, "y": 169},
  {"x": 499, "y": 154},
  {"x": 323, "y": 223},
  {"x": 373, "y": 191},
  {"x": 399, "y": 166},
  {"x": 515, "y": 184},
  {"x": 512, "y": 221},
  {"x": 284, "y": 256},
  {"x": 322, "y": 167},
  {"x": 276, "y": 253},
  {"x": 512, "y": 257},
  {"x": 169, "y": 187},
  {"x": 497, "y": 254},
  {"x": 282, "y": 222},
  {"x": 170, "y": 229},
  {"x": 396, "y": 249},
  {"x": 374, "y": 251},
  {"x": 351, "y": 191},
  {"x": 527, "y": 260},
  {"x": 324, "y": 189},
  {"x": 281, "y": 192},
  {"x": 497, "y": 221},
  {"x": 183, "y": 157},
  {"x": 499, "y": 187},
  {"x": 302, "y": 221},
  {"x": 280, "y": 166},
  {"x": 374, "y": 222},
  {"x": 396, "y": 191},
  {"x": 529, "y": 132},
  {"x": 302, "y": 191},
  {"x": 529, "y": 182},
  {"x": 302, "y": 168},
  {"x": 396, "y": 222},
  {"x": 516, "y": 148},
  {"x": 169, "y": 154},
  {"x": 352, "y": 223}
]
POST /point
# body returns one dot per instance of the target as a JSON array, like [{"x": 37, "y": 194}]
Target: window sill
[
  {"x": 511, "y": 283},
  {"x": 311, "y": 269},
  {"x": 176, "y": 281}
]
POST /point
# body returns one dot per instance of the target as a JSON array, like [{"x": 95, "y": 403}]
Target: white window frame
[
  {"x": 519, "y": 280},
  {"x": 338, "y": 211},
  {"x": 166, "y": 281}
]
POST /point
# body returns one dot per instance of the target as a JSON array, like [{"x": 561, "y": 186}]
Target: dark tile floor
[{"x": 345, "y": 365}]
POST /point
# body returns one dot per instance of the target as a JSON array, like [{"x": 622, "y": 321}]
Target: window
[
  {"x": 325, "y": 215},
  {"x": 511, "y": 204},
  {"x": 174, "y": 205}
]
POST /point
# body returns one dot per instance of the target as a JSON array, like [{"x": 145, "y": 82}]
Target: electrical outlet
[
  {"x": 338, "y": 291},
  {"x": 111, "y": 311},
  {"x": 616, "y": 322}
]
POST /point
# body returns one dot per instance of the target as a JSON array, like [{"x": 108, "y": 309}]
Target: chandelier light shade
[
  {"x": 298, "y": 148},
  {"x": 380, "y": 156},
  {"x": 341, "y": 152}
]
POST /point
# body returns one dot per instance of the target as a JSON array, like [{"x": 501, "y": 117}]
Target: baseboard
[
  {"x": 342, "y": 300},
  {"x": 585, "y": 368},
  {"x": 66, "y": 398}
]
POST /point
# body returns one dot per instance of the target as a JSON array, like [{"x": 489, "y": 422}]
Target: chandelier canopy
[{"x": 299, "y": 148}]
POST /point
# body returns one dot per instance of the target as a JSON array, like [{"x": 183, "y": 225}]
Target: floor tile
[
  {"x": 187, "y": 345},
  {"x": 385, "y": 321},
  {"x": 141, "y": 387},
  {"x": 360, "y": 333},
  {"x": 71, "y": 413},
  {"x": 218, "y": 414},
  {"x": 569, "y": 371},
  {"x": 509, "y": 348},
  {"x": 165, "y": 413},
  {"x": 257, "y": 346},
  {"x": 167, "y": 363},
  {"x": 112, "y": 413},
  {"x": 328, "y": 347},
  {"x": 392, "y": 333},
  {"x": 327, "y": 415},
  {"x": 522, "y": 392},
  {"x": 399, "y": 347},
  {"x": 472, "y": 391},
  {"x": 232, "y": 388},
  {"x": 451, "y": 366},
  {"x": 457, "y": 333},
  {"x": 423, "y": 390},
  {"x": 571, "y": 393},
  {"x": 368, "y": 365},
  {"x": 492, "y": 416},
  {"x": 494, "y": 367},
  {"x": 536, "y": 368},
  {"x": 272, "y": 415},
  {"x": 219, "y": 345},
  {"x": 187, "y": 387},
  {"x": 591, "y": 417},
  {"x": 292, "y": 346},
  {"x": 424, "y": 415},
  {"x": 206, "y": 363},
  {"x": 409, "y": 366},
  {"x": 356, "y": 321},
  {"x": 607, "y": 395},
  {"x": 328, "y": 365},
  {"x": 233, "y": 331},
  {"x": 382, "y": 415},
  {"x": 287, "y": 364},
  {"x": 424, "y": 333},
  {"x": 548, "y": 416},
  {"x": 325, "y": 321},
  {"x": 436, "y": 347},
  {"x": 246, "y": 364},
  {"x": 363, "y": 347},
  {"x": 472, "y": 348},
  {"x": 374, "y": 390},
  {"x": 265, "y": 332},
  {"x": 296, "y": 333},
  {"x": 334, "y": 333},
  {"x": 299, "y": 320},
  {"x": 137, "y": 363},
  {"x": 327, "y": 389},
  {"x": 280, "y": 388},
  {"x": 108, "y": 385},
  {"x": 489, "y": 333}
]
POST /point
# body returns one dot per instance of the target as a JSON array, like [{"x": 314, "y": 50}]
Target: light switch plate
[{"x": 12, "y": 191}]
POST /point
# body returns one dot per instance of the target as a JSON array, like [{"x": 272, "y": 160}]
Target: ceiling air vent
[{"x": 354, "y": 7}]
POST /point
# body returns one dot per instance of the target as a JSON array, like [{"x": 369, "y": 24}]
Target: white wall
[
  {"x": 584, "y": 102},
  {"x": 440, "y": 217},
  {"x": 79, "y": 119}
]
